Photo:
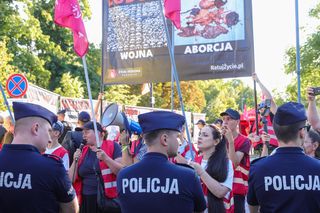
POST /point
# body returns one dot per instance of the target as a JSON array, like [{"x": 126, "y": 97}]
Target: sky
[{"x": 274, "y": 32}]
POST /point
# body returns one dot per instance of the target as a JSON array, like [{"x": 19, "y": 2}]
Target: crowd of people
[{"x": 45, "y": 166}]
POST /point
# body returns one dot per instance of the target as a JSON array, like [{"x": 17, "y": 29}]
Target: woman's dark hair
[
  {"x": 315, "y": 137},
  {"x": 217, "y": 168}
]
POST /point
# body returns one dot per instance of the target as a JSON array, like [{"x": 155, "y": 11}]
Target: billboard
[{"x": 215, "y": 41}]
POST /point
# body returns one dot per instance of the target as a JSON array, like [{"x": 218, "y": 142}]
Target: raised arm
[
  {"x": 313, "y": 115},
  {"x": 266, "y": 93}
]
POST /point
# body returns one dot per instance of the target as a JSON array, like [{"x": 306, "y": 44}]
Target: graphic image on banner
[{"x": 215, "y": 41}]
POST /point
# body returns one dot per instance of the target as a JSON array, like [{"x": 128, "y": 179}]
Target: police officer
[
  {"x": 154, "y": 184},
  {"x": 30, "y": 181},
  {"x": 288, "y": 181}
]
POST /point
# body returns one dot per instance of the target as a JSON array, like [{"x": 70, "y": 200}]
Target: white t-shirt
[
  {"x": 65, "y": 158},
  {"x": 229, "y": 180}
]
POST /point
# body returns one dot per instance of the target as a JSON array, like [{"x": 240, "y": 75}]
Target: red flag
[
  {"x": 67, "y": 13},
  {"x": 172, "y": 11}
]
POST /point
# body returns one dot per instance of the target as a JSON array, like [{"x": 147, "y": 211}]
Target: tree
[
  {"x": 221, "y": 95},
  {"x": 42, "y": 50},
  {"x": 5, "y": 70},
  {"x": 70, "y": 87},
  {"x": 310, "y": 62},
  {"x": 192, "y": 96}
]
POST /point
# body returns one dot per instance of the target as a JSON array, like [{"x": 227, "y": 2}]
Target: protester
[
  {"x": 288, "y": 180},
  {"x": 238, "y": 152},
  {"x": 200, "y": 124},
  {"x": 154, "y": 184},
  {"x": 92, "y": 161},
  {"x": 218, "y": 122},
  {"x": 66, "y": 125},
  {"x": 313, "y": 115},
  {"x": 184, "y": 146},
  {"x": 73, "y": 139},
  {"x": 311, "y": 144},
  {"x": 267, "y": 108},
  {"x": 54, "y": 147},
  {"x": 9, "y": 125},
  {"x": 132, "y": 149},
  {"x": 215, "y": 170},
  {"x": 32, "y": 182},
  {"x": 2, "y": 130}
]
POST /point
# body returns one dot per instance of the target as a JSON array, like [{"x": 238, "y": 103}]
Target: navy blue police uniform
[
  {"x": 30, "y": 181},
  {"x": 156, "y": 185},
  {"x": 287, "y": 181}
]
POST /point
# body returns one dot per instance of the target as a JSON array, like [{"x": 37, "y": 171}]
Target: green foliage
[
  {"x": 5, "y": 70},
  {"x": 70, "y": 87},
  {"x": 221, "y": 95},
  {"x": 310, "y": 62},
  {"x": 42, "y": 50}
]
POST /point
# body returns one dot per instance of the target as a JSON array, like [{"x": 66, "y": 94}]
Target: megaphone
[{"x": 112, "y": 116}]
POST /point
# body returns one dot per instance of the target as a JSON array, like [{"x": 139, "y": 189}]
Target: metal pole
[
  {"x": 298, "y": 49},
  {"x": 176, "y": 77},
  {"x": 90, "y": 99},
  {"x": 7, "y": 104},
  {"x": 172, "y": 75},
  {"x": 151, "y": 95}
]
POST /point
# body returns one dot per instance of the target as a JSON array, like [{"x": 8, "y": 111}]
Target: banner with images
[
  {"x": 74, "y": 106},
  {"x": 215, "y": 41},
  {"x": 43, "y": 97}
]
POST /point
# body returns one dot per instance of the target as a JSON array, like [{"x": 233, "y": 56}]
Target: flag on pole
[
  {"x": 172, "y": 11},
  {"x": 67, "y": 13},
  {"x": 145, "y": 88}
]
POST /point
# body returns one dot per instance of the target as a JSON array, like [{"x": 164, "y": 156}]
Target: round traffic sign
[{"x": 17, "y": 85}]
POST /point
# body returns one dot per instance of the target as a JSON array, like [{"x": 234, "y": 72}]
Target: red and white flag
[
  {"x": 172, "y": 11},
  {"x": 67, "y": 13}
]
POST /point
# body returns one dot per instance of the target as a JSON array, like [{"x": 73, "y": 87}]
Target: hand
[
  {"x": 226, "y": 131},
  {"x": 180, "y": 159},
  {"x": 124, "y": 138},
  {"x": 310, "y": 95},
  {"x": 197, "y": 167},
  {"x": 100, "y": 96},
  {"x": 265, "y": 137},
  {"x": 255, "y": 77},
  {"x": 101, "y": 155},
  {"x": 77, "y": 155}
]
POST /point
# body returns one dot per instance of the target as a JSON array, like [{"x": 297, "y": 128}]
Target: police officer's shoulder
[
  {"x": 52, "y": 158},
  {"x": 184, "y": 170},
  {"x": 258, "y": 160}
]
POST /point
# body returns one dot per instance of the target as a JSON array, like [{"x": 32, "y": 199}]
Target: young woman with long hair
[{"x": 215, "y": 169}]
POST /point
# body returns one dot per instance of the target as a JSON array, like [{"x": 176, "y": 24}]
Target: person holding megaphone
[{"x": 92, "y": 161}]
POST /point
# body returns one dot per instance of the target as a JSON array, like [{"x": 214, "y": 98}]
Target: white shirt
[
  {"x": 65, "y": 158},
  {"x": 229, "y": 180}
]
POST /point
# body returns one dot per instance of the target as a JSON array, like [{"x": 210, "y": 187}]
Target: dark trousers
[
  {"x": 239, "y": 203},
  {"x": 89, "y": 204}
]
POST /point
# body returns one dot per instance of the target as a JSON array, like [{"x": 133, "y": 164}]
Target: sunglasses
[{"x": 307, "y": 127}]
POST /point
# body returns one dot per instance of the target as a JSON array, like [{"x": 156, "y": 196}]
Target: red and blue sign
[{"x": 17, "y": 85}]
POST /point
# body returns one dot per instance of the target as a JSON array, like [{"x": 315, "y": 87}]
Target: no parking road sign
[{"x": 17, "y": 85}]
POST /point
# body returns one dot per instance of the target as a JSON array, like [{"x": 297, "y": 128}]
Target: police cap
[
  {"x": 152, "y": 121},
  {"x": 290, "y": 113},
  {"x": 232, "y": 113},
  {"x": 62, "y": 111},
  {"x": 24, "y": 110},
  {"x": 84, "y": 116},
  {"x": 58, "y": 126}
]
